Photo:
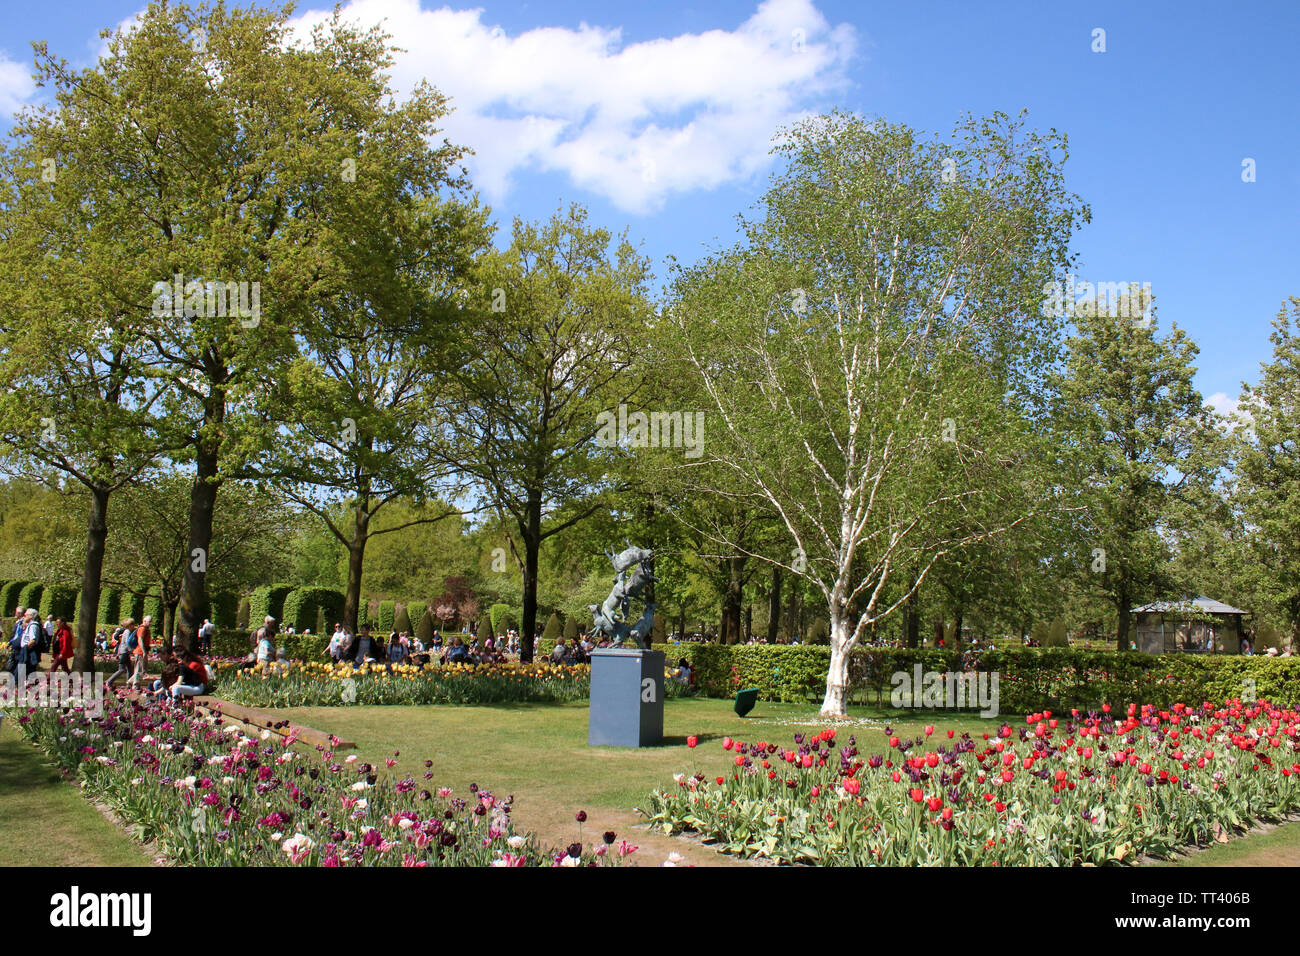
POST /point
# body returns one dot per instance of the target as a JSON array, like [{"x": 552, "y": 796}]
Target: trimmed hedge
[
  {"x": 110, "y": 605},
  {"x": 1029, "y": 679},
  {"x": 223, "y": 610},
  {"x": 267, "y": 600},
  {"x": 383, "y": 622},
  {"x": 496, "y": 615},
  {"x": 302, "y": 608},
  {"x": 402, "y": 620},
  {"x": 9, "y": 596},
  {"x": 30, "y": 596},
  {"x": 153, "y": 605},
  {"x": 59, "y": 601}
]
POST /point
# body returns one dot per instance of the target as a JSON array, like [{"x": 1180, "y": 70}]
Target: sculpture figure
[{"x": 610, "y": 618}]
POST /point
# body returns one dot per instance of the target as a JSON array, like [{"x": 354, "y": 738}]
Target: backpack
[{"x": 132, "y": 641}]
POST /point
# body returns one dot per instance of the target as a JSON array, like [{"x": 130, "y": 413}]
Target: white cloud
[
  {"x": 1222, "y": 403},
  {"x": 633, "y": 122},
  {"x": 16, "y": 86}
]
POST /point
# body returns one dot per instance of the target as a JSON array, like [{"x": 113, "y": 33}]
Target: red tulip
[
  {"x": 917, "y": 795},
  {"x": 691, "y": 741}
]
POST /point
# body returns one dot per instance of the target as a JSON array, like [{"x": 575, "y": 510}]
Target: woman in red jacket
[{"x": 63, "y": 646}]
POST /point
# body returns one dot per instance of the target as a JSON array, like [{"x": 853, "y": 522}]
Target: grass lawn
[{"x": 45, "y": 821}]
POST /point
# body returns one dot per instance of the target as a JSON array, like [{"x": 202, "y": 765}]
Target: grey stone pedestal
[{"x": 627, "y": 698}]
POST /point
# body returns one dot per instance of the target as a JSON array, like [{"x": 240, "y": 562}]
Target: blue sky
[{"x": 657, "y": 117}]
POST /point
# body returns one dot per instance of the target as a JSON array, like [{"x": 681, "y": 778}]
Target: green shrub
[
  {"x": 820, "y": 632},
  {"x": 415, "y": 611},
  {"x": 554, "y": 629},
  {"x": 223, "y": 609},
  {"x": 570, "y": 629},
  {"x": 153, "y": 605},
  {"x": 1030, "y": 680},
  {"x": 9, "y": 596},
  {"x": 424, "y": 630},
  {"x": 401, "y": 620},
  {"x": 59, "y": 601},
  {"x": 302, "y": 608},
  {"x": 384, "y": 620},
  {"x": 485, "y": 631},
  {"x": 110, "y": 607},
  {"x": 496, "y": 615},
  {"x": 30, "y": 596},
  {"x": 242, "y": 616},
  {"x": 267, "y": 600}
]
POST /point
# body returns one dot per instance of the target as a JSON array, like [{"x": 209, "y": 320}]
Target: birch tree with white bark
[{"x": 871, "y": 357}]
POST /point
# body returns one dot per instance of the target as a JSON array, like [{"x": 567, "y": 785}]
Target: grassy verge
[{"x": 46, "y": 821}]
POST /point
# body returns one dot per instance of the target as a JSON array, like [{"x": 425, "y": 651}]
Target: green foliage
[
  {"x": 302, "y": 608},
  {"x": 30, "y": 595},
  {"x": 819, "y": 632},
  {"x": 9, "y": 596},
  {"x": 59, "y": 601},
  {"x": 224, "y": 610},
  {"x": 554, "y": 629},
  {"x": 1056, "y": 635},
  {"x": 485, "y": 632},
  {"x": 424, "y": 630},
  {"x": 384, "y": 620},
  {"x": 570, "y": 630},
  {"x": 497, "y": 614},
  {"x": 415, "y": 612},
  {"x": 153, "y": 605},
  {"x": 267, "y": 600},
  {"x": 1029, "y": 679},
  {"x": 110, "y": 607},
  {"x": 402, "y": 620},
  {"x": 245, "y": 612}
]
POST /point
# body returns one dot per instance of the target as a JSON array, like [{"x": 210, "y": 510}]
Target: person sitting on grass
[
  {"x": 191, "y": 678},
  {"x": 683, "y": 673}
]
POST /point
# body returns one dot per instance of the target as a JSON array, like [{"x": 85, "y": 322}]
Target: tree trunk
[
  {"x": 749, "y": 622},
  {"x": 356, "y": 564},
  {"x": 835, "y": 704},
  {"x": 1122, "y": 609},
  {"x": 732, "y": 601},
  {"x": 166, "y": 627},
  {"x": 193, "y": 605},
  {"x": 96, "y": 537},
  {"x": 956, "y": 633},
  {"x": 912, "y": 621},
  {"x": 532, "y": 534},
  {"x": 774, "y": 606}
]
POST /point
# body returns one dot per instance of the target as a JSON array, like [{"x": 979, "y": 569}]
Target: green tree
[
  {"x": 560, "y": 318},
  {"x": 1268, "y": 471},
  {"x": 1147, "y": 445},
  {"x": 869, "y": 356}
]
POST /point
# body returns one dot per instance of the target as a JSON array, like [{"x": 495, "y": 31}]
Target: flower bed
[
  {"x": 294, "y": 684},
  {"x": 1088, "y": 789},
  {"x": 211, "y": 795}
]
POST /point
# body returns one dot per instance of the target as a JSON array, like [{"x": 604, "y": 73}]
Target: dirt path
[{"x": 557, "y": 827}]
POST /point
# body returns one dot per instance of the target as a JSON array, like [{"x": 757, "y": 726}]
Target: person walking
[
  {"x": 63, "y": 645},
  {"x": 140, "y": 652},
  {"x": 121, "y": 642}
]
